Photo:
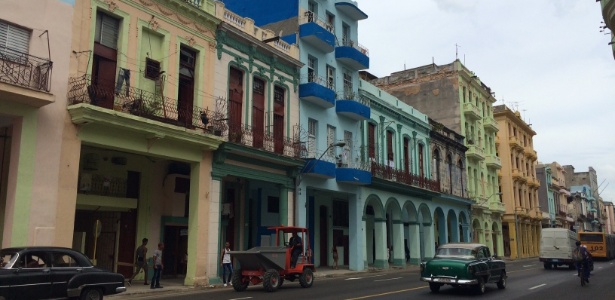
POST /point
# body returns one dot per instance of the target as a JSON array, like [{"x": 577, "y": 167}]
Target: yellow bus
[{"x": 599, "y": 244}]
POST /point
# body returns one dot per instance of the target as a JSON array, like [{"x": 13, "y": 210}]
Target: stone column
[
  {"x": 283, "y": 205},
  {"x": 414, "y": 243},
  {"x": 381, "y": 244},
  {"x": 399, "y": 253}
]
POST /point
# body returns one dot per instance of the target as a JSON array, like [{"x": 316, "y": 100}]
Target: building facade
[
  {"x": 518, "y": 183},
  {"x": 455, "y": 97},
  {"x": 587, "y": 183},
  {"x": 553, "y": 196},
  {"x": 327, "y": 188},
  {"x": 34, "y": 64},
  {"x": 257, "y": 114},
  {"x": 137, "y": 139}
]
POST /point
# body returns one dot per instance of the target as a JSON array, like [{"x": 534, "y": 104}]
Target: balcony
[
  {"x": 493, "y": 162},
  {"x": 475, "y": 152},
  {"x": 530, "y": 153},
  {"x": 514, "y": 143},
  {"x": 350, "y": 9},
  {"x": 522, "y": 212},
  {"x": 357, "y": 173},
  {"x": 533, "y": 182},
  {"x": 563, "y": 209},
  {"x": 320, "y": 168},
  {"x": 471, "y": 111},
  {"x": 497, "y": 206},
  {"x": 260, "y": 139},
  {"x": 517, "y": 175},
  {"x": 207, "y": 6},
  {"x": 608, "y": 14},
  {"x": 403, "y": 177},
  {"x": 25, "y": 79},
  {"x": 490, "y": 124},
  {"x": 316, "y": 91},
  {"x": 353, "y": 106},
  {"x": 316, "y": 32},
  {"x": 352, "y": 55}
]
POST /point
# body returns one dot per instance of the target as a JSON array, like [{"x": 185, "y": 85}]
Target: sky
[{"x": 546, "y": 59}]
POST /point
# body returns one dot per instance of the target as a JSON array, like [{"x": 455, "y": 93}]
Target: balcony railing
[
  {"x": 149, "y": 105},
  {"x": 401, "y": 176},
  {"x": 195, "y": 3},
  {"x": 25, "y": 70},
  {"x": 350, "y": 43},
  {"x": 311, "y": 17},
  {"x": 141, "y": 103},
  {"x": 96, "y": 184}
]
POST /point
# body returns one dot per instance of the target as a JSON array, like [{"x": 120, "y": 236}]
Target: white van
[{"x": 556, "y": 246}]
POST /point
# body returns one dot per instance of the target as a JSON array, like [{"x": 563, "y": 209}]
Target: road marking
[
  {"x": 357, "y": 278},
  {"x": 387, "y": 279},
  {"x": 527, "y": 266},
  {"x": 537, "y": 286},
  {"x": 353, "y": 278},
  {"x": 522, "y": 270},
  {"x": 388, "y": 293}
]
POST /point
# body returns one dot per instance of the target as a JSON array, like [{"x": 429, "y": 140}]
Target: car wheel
[
  {"x": 434, "y": 287},
  {"x": 572, "y": 267},
  {"x": 547, "y": 266},
  {"x": 91, "y": 294},
  {"x": 271, "y": 280},
  {"x": 240, "y": 283},
  {"x": 502, "y": 282},
  {"x": 307, "y": 278},
  {"x": 480, "y": 287}
]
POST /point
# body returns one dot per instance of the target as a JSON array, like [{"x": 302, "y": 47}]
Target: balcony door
[
  {"x": 104, "y": 65},
  {"x": 258, "y": 112},
  {"x": 235, "y": 104},
  {"x": 185, "y": 96},
  {"x": 278, "y": 119}
]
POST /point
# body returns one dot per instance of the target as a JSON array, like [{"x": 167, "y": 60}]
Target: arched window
[{"x": 436, "y": 165}]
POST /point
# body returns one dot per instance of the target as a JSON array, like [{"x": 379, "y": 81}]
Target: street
[{"x": 527, "y": 279}]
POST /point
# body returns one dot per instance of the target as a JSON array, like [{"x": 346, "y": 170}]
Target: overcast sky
[{"x": 544, "y": 58}]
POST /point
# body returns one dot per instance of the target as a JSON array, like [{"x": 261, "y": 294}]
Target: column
[
  {"x": 414, "y": 243},
  {"x": 381, "y": 244},
  {"x": 429, "y": 242},
  {"x": 356, "y": 234},
  {"x": 203, "y": 224},
  {"x": 283, "y": 215},
  {"x": 399, "y": 253},
  {"x": 300, "y": 210}
]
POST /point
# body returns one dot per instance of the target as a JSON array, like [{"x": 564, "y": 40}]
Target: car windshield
[
  {"x": 455, "y": 252},
  {"x": 8, "y": 256}
]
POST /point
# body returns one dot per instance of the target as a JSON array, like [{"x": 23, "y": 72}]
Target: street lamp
[{"x": 300, "y": 178}]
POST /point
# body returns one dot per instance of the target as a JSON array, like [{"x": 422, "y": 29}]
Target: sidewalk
[{"x": 176, "y": 285}]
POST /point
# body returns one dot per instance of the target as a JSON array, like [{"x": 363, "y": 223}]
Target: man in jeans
[{"x": 158, "y": 267}]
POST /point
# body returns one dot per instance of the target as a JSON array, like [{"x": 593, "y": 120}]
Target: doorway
[
  {"x": 324, "y": 236},
  {"x": 175, "y": 250}
]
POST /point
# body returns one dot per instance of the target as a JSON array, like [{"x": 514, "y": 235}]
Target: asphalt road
[{"x": 527, "y": 280}]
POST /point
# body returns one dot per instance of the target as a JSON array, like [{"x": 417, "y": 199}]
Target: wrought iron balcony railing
[
  {"x": 25, "y": 70},
  {"x": 141, "y": 103},
  {"x": 389, "y": 173},
  {"x": 159, "y": 108}
]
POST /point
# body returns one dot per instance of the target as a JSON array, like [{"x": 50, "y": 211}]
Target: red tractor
[{"x": 289, "y": 259}]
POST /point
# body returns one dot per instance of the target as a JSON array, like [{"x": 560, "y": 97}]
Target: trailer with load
[{"x": 272, "y": 265}]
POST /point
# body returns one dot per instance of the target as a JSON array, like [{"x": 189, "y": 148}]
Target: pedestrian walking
[
  {"x": 158, "y": 267},
  {"x": 227, "y": 264},
  {"x": 141, "y": 261},
  {"x": 335, "y": 256}
]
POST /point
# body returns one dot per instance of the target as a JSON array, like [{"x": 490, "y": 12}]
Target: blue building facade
[{"x": 327, "y": 188}]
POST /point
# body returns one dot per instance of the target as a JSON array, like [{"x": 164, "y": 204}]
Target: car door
[
  {"x": 494, "y": 266},
  {"x": 31, "y": 278},
  {"x": 64, "y": 267}
]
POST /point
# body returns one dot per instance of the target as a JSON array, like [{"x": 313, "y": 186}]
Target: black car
[{"x": 53, "y": 272}]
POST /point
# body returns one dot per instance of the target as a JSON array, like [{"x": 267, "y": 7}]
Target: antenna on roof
[{"x": 457, "y": 51}]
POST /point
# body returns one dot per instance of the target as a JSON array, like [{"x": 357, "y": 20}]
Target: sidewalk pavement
[{"x": 176, "y": 285}]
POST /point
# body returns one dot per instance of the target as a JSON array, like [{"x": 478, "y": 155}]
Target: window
[
  {"x": 340, "y": 214},
  {"x": 312, "y": 130},
  {"x": 330, "y": 140},
  {"x": 346, "y": 41},
  {"x": 278, "y": 118},
  {"x": 107, "y": 29},
  {"x": 348, "y": 91},
  {"x": 406, "y": 155},
  {"x": 347, "y": 154},
  {"x": 421, "y": 169},
  {"x": 273, "y": 205},
  {"x": 152, "y": 68},
  {"x": 13, "y": 41},
  {"x": 313, "y": 7},
  {"x": 61, "y": 260},
  {"x": 330, "y": 21},
  {"x": 331, "y": 77},
  {"x": 312, "y": 69},
  {"x": 390, "y": 157},
  {"x": 371, "y": 141}
]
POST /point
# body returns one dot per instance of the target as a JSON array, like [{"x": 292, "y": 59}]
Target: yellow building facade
[{"x": 519, "y": 185}]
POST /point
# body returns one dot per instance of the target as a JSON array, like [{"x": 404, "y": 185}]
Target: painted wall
[{"x": 32, "y": 197}]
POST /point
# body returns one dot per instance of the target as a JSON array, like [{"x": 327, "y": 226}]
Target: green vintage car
[{"x": 463, "y": 265}]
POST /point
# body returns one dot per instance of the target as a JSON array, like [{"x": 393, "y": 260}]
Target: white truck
[{"x": 556, "y": 246}]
